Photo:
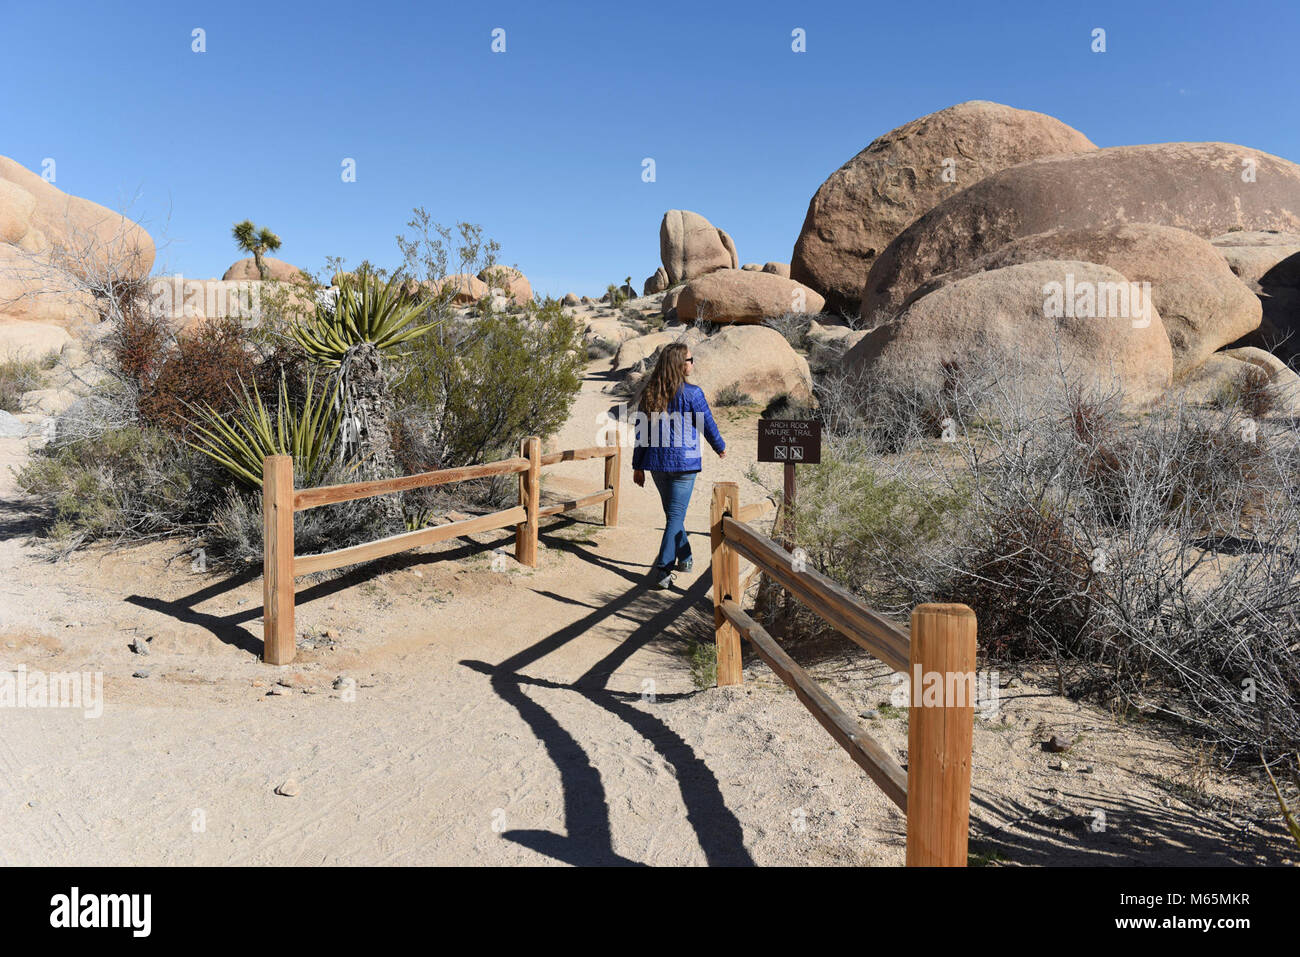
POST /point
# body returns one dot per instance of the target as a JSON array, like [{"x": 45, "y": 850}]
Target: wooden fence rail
[
  {"x": 938, "y": 658},
  {"x": 280, "y": 566}
]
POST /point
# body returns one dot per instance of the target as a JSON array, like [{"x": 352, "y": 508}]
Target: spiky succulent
[
  {"x": 367, "y": 310},
  {"x": 239, "y": 441}
]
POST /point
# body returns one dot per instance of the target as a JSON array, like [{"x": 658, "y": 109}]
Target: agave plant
[
  {"x": 240, "y": 441},
  {"x": 367, "y": 311}
]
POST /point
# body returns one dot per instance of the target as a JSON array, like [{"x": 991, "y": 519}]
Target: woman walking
[{"x": 672, "y": 413}]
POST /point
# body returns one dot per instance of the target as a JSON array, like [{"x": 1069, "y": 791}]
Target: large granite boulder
[
  {"x": 276, "y": 270},
  {"x": 1198, "y": 187},
  {"x": 81, "y": 236},
  {"x": 1029, "y": 320},
  {"x": 1268, "y": 261},
  {"x": 510, "y": 281},
  {"x": 1203, "y": 305},
  {"x": 882, "y": 190},
  {"x": 691, "y": 246},
  {"x": 741, "y": 296},
  {"x": 757, "y": 359}
]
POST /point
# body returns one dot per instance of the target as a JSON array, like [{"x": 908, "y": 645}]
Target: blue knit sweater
[{"x": 670, "y": 441}]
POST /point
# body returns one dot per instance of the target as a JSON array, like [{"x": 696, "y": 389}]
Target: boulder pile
[{"x": 988, "y": 236}]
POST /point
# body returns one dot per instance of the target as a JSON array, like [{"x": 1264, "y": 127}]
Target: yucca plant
[
  {"x": 370, "y": 320},
  {"x": 367, "y": 311},
  {"x": 241, "y": 440}
]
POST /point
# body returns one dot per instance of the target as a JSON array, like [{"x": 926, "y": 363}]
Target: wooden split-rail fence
[
  {"x": 280, "y": 500},
  {"x": 934, "y": 791}
]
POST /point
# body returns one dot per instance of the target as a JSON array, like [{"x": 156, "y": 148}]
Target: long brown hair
[{"x": 666, "y": 379}]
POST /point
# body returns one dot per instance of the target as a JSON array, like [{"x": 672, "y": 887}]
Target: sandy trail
[{"x": 522, "y": 716}]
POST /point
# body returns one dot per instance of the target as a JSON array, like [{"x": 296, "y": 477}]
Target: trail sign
[{"x": 790, "y": 441}]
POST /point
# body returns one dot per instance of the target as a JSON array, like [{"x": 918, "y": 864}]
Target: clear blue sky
[{"x": 543, "y": 144}]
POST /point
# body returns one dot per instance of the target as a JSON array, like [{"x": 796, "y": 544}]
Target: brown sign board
[{"x": 796, "y": 441}]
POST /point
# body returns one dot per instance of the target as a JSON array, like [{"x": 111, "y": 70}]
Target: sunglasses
[{"x": 689, "y": 359}]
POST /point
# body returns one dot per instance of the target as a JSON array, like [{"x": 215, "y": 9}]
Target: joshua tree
[
  {"x": 255, "y": 240},
  {"x": 368, "y": 322}
]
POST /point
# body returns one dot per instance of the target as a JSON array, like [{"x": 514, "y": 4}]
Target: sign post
[{"x": 790, "y": 442}]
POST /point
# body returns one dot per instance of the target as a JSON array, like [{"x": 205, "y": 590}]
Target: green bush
[
  {"x": 472, "y": 389},
  {"x": 869, "y": 532},
  {"x": 129, "y": 482}
]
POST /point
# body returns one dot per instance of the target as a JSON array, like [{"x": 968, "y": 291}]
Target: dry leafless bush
[
  {"x": 793, "y": 327},
  {"x": 1153, "y": 558}
]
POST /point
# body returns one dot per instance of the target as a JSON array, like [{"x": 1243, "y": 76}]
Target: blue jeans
[{"x": 675, "y": 492}]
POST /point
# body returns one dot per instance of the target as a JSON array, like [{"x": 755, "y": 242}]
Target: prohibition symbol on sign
[{"x": 780, "y": 452}]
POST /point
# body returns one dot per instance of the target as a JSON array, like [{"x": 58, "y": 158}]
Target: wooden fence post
[
  {"x": 787, "y": 509},
  {"x": 278, "y": 639},
  {"x": 940, "y": 727},
  {"x": 530, "y": 489},
  {"x": 613, "y": 468},
  {"x": 726, "y": 584}
]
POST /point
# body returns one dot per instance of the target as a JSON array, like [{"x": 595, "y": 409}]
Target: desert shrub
[
  {"x": 126, "y": 483},
  {"x": 140, "y": 343},
  {"x": 892, "y": 416},
  {"x": 793, "y": 327},
  {"x": 209, "y": 366},
  {"x": 235, "y": 532},
  {"x": 428, "y": 252},
  {"x": 871, "y": 532},
  {"x": 615, "y": 296},
  {"x": 1250, "y": 390},
  {"x": 473, "y": 388},
  {"x": 703, "y": 660},
  {"x": 785, "y": 406},
  {"x": 732, "y": 395},
  {"x": 22, "y": 375},
  {"x": 1030, "y": 584},
  {"x": 1152, "y": 559},
  {"x": 600, "y": 349}
]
